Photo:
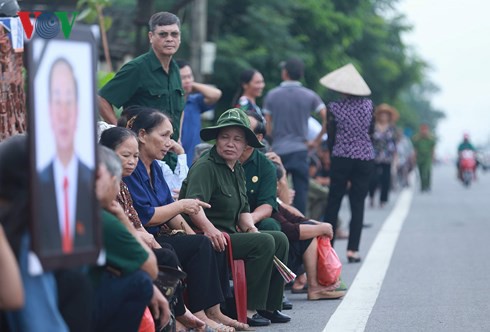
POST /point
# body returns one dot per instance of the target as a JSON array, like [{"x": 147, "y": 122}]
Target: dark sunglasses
[{"x": 165, "y": 34}]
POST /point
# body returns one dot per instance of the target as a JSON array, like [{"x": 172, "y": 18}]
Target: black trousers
[
  {"x": 296, "y": 164},
  {"x": 358, "y": 173},
  {"x": 381, "y": 178},
  {"x": 207, "y": 272}
]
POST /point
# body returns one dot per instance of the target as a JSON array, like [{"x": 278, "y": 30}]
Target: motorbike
[{"x": 467, "y": 166}]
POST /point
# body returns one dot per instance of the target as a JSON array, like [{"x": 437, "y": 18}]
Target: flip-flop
[
  {"x": 238, "y": 326},
  {"x": 300, "y": 291},
  {"x": 224, "y": 328}
]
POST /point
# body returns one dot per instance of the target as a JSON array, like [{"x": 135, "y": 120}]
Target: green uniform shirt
[
  {"x": 142, "y": 81},
  {"x": 123, "y": 252},
  {"x": 424, "y": 147},
  {"x": 212, "y": 181},
  {"x": 261, "y": 179}
]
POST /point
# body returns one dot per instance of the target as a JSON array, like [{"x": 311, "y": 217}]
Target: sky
[{"x": 453, "y": 36}]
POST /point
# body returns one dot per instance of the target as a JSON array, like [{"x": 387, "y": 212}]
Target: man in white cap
[{"x": 287, "y": 109}]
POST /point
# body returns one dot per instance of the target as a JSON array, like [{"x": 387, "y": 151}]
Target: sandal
[
  {"x": 300, "y": 290},
  {"x": 220, "y": 328},
  {"x": 238, "y": 326}
]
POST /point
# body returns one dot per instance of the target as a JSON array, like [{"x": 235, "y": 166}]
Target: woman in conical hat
[
  {"x": 350, "y": 126},
  {"x": 384, "y": 142}
]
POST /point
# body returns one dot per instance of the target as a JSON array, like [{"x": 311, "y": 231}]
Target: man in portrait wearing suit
[{"x": 66, "y": 184}]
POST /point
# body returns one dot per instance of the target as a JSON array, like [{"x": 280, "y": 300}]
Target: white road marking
[{"x": 353, "y": 312}]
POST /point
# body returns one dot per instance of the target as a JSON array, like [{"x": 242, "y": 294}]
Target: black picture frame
[{"x": 62, "y": 117}]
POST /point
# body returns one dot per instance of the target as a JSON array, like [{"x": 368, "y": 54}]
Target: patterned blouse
[
  {"x": 353, "y": 122},
  {"x": 124, "y": 198},
  {"x": 384, "y": 145}
]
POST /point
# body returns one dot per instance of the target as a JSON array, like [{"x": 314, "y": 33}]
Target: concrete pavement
[{"x": 437, "y": 278}]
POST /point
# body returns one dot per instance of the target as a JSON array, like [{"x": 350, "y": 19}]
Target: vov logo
[{"x": 47, "y": 24}]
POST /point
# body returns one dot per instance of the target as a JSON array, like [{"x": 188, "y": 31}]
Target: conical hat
[{"x": 346, "y": 79}]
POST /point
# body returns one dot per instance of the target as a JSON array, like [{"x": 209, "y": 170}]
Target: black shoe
[
  {"x": 275, "y": 316},
  {"x": 353, "y": 259},
  {"x": 286, "y": 304},
  {"x": 258, "y": 320}
]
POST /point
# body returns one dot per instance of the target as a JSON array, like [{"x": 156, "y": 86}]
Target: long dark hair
[{"x": 244, "y": 78}]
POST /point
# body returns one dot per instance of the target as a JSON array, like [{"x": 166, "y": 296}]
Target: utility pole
[{"x": 199, "y": 10}]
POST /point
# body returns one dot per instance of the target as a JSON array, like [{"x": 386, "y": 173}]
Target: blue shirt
[
  {"x": 191, "y": 125},
  {"x": 40, "y": 311},
  {"x": 145, "y": 196}
]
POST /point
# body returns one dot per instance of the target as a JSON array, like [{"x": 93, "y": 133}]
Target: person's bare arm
[
  {"x": 169, "y": 211},
  {"x": 159, "y": 307},
  {"x": 246, "y": 224},
  {"x": 11, "y": 291},
  {"x": 268, "y": 126},
  {"x": 261, "y": 212},
  {"x": 311, "y": 231},
  {"x": 178, "y": 222},
  {"x": 202, "y": 222},
  {"x": 210, "y": 93},
  {"x": 177, "y": 147},
  {"x": 106, "y": 111},
  {"x": 283, "y": 191},
  {"x": 150, "y": 266},
  {"x": 181, "y": 121}
]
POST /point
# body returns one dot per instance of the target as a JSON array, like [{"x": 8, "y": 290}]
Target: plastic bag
[
  {"x": 147, "y": 324},
  {"x": 329, "y": 266}
]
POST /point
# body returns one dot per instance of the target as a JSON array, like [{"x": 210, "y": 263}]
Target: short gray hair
[
  {"x": 110, "y": 160},
  {"x": 163, "y": 18}
]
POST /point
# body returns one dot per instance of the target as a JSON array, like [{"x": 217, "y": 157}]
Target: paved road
[{"x": 438, "y": 277}]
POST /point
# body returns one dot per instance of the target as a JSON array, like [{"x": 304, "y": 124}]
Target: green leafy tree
[
  {"x": 93, "y": 11},
  {"x": 326, "y": 34}
]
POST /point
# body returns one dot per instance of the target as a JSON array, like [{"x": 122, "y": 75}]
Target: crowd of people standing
[{"x": 273, "y": 181}]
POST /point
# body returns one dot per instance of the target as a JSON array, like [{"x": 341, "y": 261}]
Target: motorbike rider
[{"x": 464, "y": 145}]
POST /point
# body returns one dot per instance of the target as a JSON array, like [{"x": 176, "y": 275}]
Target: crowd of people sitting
[
  {"x": 187, "y": 233},
  {"x": 156, "y": 211}
]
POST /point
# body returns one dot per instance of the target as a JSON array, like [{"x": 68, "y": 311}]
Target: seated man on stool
[{"x": 261, "y": 184}]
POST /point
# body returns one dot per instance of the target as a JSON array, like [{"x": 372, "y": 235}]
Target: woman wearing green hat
[{"x": 218, "y": 178}]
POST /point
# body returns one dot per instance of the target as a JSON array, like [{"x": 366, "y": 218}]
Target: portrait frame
[{"x": 64, "y": 212}]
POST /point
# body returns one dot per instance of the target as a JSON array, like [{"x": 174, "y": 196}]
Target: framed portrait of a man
[{"x": 62, "y": 121}]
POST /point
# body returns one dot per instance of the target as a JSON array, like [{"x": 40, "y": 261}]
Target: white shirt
[
  {"x": 314, "y": 128},
  {"x": 71, "y": 172},
  {"x": 174, "y": 179}
]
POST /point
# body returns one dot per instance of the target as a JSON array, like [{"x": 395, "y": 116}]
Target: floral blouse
[
  {"x": 124, "y": 198},
  {"x": 384, "y": 145}
]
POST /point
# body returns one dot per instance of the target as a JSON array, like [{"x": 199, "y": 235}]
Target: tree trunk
[{"x": 12, "y": 96}]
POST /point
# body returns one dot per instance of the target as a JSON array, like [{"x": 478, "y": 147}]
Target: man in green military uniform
[
  {"x": 424, "y": 144},
  {"x": 260, "y": 175},
  {"x": 152, "y": 79}
]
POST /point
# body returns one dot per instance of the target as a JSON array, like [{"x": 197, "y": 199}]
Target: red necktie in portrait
[{"x": 67, "y": 241}]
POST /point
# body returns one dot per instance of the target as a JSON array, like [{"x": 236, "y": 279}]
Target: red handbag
[
  {"x": 329, "y": 266},
  {"x": 147, "y": 324}
]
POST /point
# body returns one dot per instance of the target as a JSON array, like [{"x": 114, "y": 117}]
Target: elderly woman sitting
[
  {"x": 207, "y": 278},
  {"x": 218, "y": 178}
]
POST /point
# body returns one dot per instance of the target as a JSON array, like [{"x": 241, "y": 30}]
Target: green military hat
[{"x": 233, "y": 117}]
